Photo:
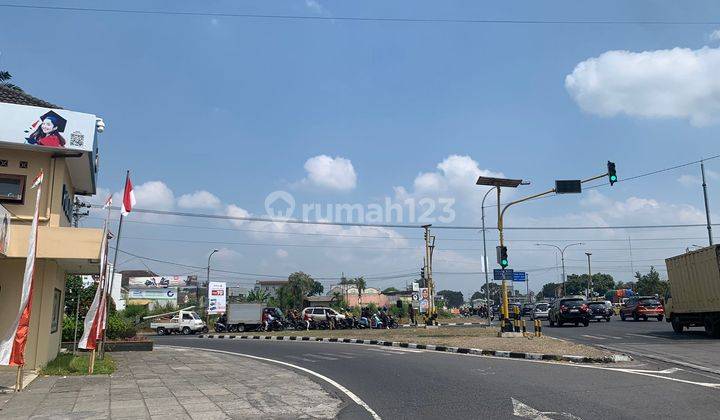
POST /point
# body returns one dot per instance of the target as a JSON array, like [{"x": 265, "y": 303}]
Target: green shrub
[
  {"x": 134, "y": 311},
  {"x": 68, "y": 331},
  {"x": 119, "y": 327}
]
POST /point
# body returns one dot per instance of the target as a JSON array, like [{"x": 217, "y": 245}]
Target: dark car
[
  {"x": 600, "y": 311},
  {"x": 527, "y": 309},
  {"x": 642, "y": 307},
  {"x": 569, "y": 310}
]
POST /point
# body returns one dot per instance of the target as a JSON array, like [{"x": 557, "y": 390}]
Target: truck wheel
[
  {"x": 186, "y": 331},
  {"x": 161, "y": 331},
  {"x": 676, "y": 325},
  {"x": 240, "y": 327}
]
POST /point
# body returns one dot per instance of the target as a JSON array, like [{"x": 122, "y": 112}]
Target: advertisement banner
[
  {"x": 153, "y": 294},
  {"x": 216, "y": 297},
  {"x": 4, "y": 230},
  {"x": 162, "y": 281},
  {"x": 34, "y": 126},
  {"x": 424, "y": 300}
]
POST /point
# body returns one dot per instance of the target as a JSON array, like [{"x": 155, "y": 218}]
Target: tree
[
  {"x": 548, "y": 290},
  {"x": 257, "y": 296},
  {"x": 5, "y": 77},
  {"x": 477, "y": 295},
  {"x": 453, "y": 299},
  {"x": 360, "y": 284},
  {"x": 390, "y": 290},
  {"x": 577, "y": 284},
  {"x": 298, "y": 287},
  {"x": 495, "y": 292},
  {"x": 650, "y": 284}
]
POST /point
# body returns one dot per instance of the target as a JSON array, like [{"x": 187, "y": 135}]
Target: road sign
[
  {"x": 568, "y": 186},
  {"x": 497, "y": 274},
  {"x": 519, "y": 276},
  {"x": 416, "y": 287},
  {"x": 416, "y": 296}
]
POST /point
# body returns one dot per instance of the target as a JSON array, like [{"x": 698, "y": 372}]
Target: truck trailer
[{"x": 694, "y": 294}]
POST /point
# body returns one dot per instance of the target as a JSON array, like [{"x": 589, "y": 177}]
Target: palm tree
[
  {"x": 258, "y": 296},
  {"x": 5, "y": 77},
  {"x": 360, "y": 284}
]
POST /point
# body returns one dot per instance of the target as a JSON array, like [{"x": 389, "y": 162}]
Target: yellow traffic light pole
[{"x": 501, "y": 214}]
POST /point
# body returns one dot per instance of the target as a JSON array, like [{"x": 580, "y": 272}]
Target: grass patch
[{"x": 68, "y": 364}]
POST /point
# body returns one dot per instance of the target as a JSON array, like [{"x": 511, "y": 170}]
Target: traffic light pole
[{"x": 501, "y": 214}]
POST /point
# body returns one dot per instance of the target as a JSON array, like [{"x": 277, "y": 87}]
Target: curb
[
  {"x": 450, "y": 324},
  {"x": 462, "y": 350}
]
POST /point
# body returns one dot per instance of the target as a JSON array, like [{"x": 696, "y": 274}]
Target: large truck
[
  {"x": 694, "y": 294},
  {"x": 245, "y": 316}
]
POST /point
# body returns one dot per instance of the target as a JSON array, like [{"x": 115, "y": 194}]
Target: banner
[
  {"x": 169, "y": 294},
  {"x": 424, "y": 300},
  {"x": 162, "y": 281},
  {"x": 33, "y": 126},
  {"x": 4, "y": 230},
  {"x": 216, "y": 297}
]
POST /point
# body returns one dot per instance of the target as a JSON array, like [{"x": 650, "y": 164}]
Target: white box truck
[{"x": 245, "y": 316}]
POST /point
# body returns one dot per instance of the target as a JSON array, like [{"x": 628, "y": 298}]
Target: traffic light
[
  {"x": 422, "y": 273},
  {"x": 502, "y": 256},
  {"x": 612, "y": 175}
]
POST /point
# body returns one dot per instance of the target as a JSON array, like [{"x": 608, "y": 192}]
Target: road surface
[
  {"x": 409, "y": 383},
  {"x": 647, "y": 339}
]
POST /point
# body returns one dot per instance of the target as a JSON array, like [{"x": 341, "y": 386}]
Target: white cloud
[
  {"x": 234, "y": 211},
  {"x": 674, "y": 83},
  {"x": 330, "y": 173},
  {"x": 315, "y": 6},
  {"x": 636, "y": 210},
  {"x": 281, "y": 253},
  {"x": 688, "y": 180},
  {"x": 199, "y": 200},
  {"x": 715, "y": 35},
  {"x": 152, "y": 195}
]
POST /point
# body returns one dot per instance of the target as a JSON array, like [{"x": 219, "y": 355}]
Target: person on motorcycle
[
  {"x": 330, "y": 319},
  {"x": 221, "y": 323},
  {"x": 307, "y": 318},
  {"x": 267, "y": 320}
]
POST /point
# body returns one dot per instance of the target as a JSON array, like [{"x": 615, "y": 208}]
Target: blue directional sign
[
  {"x": 519, "y": 276},
  {"x": 498, "y": 274}
]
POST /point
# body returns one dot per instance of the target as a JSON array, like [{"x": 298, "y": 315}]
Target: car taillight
[
  {"x": 584, "y": 308},
  {"x": 563, "y": 308}
]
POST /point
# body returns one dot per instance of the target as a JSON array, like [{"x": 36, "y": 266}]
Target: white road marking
[
  {"x": 594, "y": 337},
  {"x": 642, "y": 335},
  {"x": 319, "y": 356},
  {"x": 342, "y": 389},
  {"x": 395, "y": 350},
  {"x": 342, "y": 356},
  {"x": 525, "y": 411},
  {"x": 302, "y": 359}
]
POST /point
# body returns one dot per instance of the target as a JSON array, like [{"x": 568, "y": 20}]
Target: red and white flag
[
  {"x": 108, "y": 202},
  {"x": 95, "y": 320},
  {"x": 128, "y": 201},
  {"x": 12, "y": 343}
]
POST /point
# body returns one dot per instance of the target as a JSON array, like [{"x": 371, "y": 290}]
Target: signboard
[
  {"x": 4, "y": 230},
  {"x": 153, "y": 294},
  {"x": 498, "y": 274},
  {"x": 519, "y": 276},
  {"x": 415, "y": 286},
  {"x": 162, "y": 281},
  {"x": 216, "y": 297},
  {"x": 33, "y": 126},
  {"x": 424, "y": 300},
  {"x": 416, "y": 296},
  {"x": 568, "y": 186}
]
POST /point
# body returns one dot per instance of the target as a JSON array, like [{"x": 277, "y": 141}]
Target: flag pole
[
  {"x": 105, "y": 281},
  {"x": 91, "y": 365},
  {"x": 117, "y": 243}
]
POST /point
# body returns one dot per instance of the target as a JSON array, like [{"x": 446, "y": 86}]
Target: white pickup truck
[{"x": 185, "y": 322}]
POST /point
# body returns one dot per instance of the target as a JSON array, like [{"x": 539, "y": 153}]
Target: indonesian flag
[
  {"x": 12, "y": 343},
  {"x": 94, "y": 324},
  {"x": 108, "y": 202},
  {"x": 128, "y": 201}
]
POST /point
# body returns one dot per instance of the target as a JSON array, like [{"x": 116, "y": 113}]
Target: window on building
[
  {"x": 12, "y": 188},
  {"x": 56, "y": 311}
]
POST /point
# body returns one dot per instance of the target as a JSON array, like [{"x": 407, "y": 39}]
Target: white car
[
  {"x": 540, "y": 311},
  {"x": 318, "y": 313}
]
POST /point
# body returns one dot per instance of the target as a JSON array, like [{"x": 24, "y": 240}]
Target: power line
[{"x": 289, "y": 17}]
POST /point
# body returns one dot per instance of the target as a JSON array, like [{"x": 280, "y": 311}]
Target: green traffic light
[{"x": 613, "y": 178}]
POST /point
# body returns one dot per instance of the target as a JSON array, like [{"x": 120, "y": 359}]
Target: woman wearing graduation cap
[{"x": 48, "y": 133}]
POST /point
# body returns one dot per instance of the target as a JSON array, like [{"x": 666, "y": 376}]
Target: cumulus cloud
[
  {"x": 715, "y": 35},
  {"x": 199, "y": 200},
  {"x": 234, "y": 211},
  {"x": 315, "y": 6},
  {"x": 671, "y": 83},
  {"x": 330, "y": 173}
]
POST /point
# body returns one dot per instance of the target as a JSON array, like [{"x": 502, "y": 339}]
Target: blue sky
[{"x": 236, "y": 107}]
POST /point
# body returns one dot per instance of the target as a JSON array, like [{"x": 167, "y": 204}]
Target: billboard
[
  {"x": 155, "y": 282},
  {"x": 424, "y": 300},
  {"x": 4, "y": 230},
  {"x": 34, "y": 126},
  {"x": 216, "y": 297},
  {"x": 169, "y": 295}
]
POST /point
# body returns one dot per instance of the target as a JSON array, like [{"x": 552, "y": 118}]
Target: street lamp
[
  {"x": 562, "y": 258},
  {"x": 208, "y": 265},
  {"x": 496, "y": 183},
  {"x": 587, "y": 295}
]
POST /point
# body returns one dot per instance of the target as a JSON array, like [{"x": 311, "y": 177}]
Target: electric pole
[
  {"x": 707, "y": 206},
  {"x": 78, "y": 212}
]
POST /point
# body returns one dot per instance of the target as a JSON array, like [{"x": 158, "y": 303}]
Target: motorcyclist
[
  {"x": 267, "y": 320},
  {"x": 307, "y": 318},
  {"x": 221, "y": 322}
]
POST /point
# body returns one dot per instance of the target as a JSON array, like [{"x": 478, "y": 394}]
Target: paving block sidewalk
[{"x": 175, "y": 384}]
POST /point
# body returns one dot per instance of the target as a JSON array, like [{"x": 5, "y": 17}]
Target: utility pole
[
  {"x": 485, "y": 258},
  {"x": 707, "y": 206},
  {"x": 78, "y": 212},
  {"x": 589, "y": 286},
  {"x": 429, "y": 247},
  {"x": 562, "y": 258}
]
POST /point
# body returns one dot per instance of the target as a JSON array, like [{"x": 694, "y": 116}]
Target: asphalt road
[
  {"x": 650, "y": 338},
  {"x": 408, "y": 383}
]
